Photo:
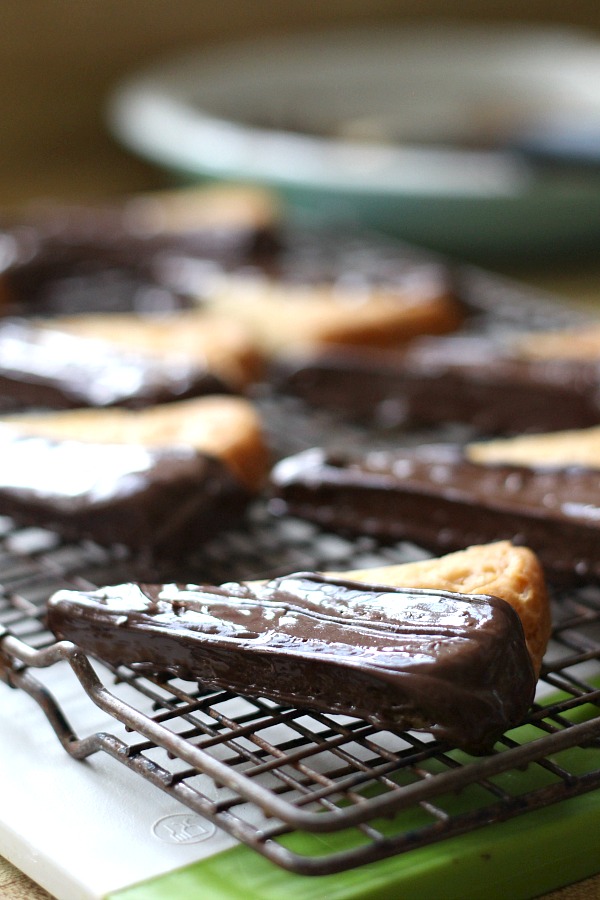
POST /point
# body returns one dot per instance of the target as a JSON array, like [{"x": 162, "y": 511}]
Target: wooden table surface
[{"x": 58, "y": 61}]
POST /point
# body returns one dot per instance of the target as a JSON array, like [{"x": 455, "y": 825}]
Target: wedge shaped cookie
[
  {"x": 240, "y": 216},
  {"x": 426, "y": 658},
  {"x": 487, "y": 383},
  {"x": 63, "y": 259},
  {"x": 283, "y": 316},
  {"x": 542, "y": 491},
  {"x": 122, "y": 360},
  {"x": 160, "y": 479}
]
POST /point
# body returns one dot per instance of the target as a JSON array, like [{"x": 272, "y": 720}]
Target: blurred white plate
[{"x": 408, "y": 129}]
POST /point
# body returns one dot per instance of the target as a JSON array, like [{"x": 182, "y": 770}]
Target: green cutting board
[{"x": 519, "y": 858}]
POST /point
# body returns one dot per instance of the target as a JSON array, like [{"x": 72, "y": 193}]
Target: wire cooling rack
[
  {"x": 275, "y": 772},
  {"x": 314, "y": 793}
]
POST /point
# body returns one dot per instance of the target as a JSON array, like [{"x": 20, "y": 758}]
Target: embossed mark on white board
[{"x": 183, "y": 828}]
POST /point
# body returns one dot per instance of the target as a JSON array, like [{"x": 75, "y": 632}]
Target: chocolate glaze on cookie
[
  {"x": 438, "y": 498},
  {"x": 46, "y": 368},
  {"x": 163, "y": 501},
  {"x": 451, "y": 664},
  {"x": 65, "y": 260},
  {"x": 48, "y": 275},
  {"x": 470, "y": 379}
]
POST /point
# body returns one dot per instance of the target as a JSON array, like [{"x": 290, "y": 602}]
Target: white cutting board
[{"x": 84, "y": 828}]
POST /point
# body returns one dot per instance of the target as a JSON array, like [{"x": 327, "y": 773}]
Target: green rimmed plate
[{"x": 420, "y": 131}]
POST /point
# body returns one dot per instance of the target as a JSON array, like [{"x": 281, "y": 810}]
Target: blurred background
[{"x": 61, "y": 61}]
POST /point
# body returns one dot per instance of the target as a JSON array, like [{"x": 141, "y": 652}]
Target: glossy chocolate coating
[
  {"x": 69, "y": 260},
  {"x": 51, "y": 276},
  {"x": 160, "y": 500},
  {"x": 451, "y": 664},
  {"x": 52, "y": 369},
  {"x": 436, "y": 497},
  {"x": 456, "y": 379}
]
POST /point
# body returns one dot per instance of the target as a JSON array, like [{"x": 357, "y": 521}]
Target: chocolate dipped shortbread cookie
[
  {"x": 239, "y": 222},
  {"x": 121, "y": 257},
  {"x": 159, "y": 480},
  {"x": 284, "y": 316},
  {"x": 122, "y": 360},
  {"x": 539, "y": 490},
  {"x": 451, "y": 660},
  {"x": 498, "y": 386}
]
